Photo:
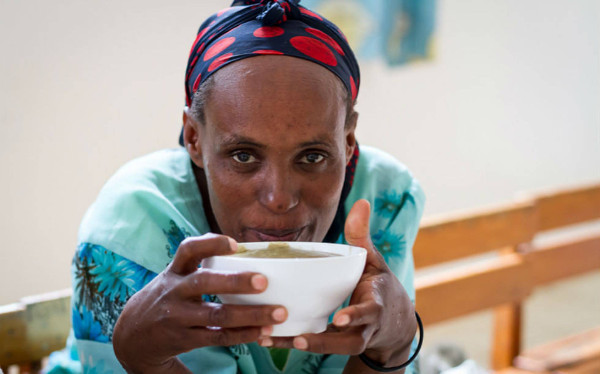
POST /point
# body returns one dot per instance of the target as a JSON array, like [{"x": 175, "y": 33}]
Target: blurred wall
[{"x": 511, "y": 103}]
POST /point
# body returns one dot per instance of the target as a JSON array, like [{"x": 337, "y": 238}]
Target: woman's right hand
[{"x": 168, "y": 316}]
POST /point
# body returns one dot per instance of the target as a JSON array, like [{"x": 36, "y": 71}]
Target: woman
[{"x": 269, "y": 154}]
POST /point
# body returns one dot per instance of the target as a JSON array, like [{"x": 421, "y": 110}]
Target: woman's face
[{"x": 274, "y": 147}]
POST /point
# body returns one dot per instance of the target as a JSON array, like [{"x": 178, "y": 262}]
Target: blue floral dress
[{"x": 132, "y": 231}]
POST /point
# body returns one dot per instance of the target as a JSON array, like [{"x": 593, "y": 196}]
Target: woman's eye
[
  {"x": 312, "y": 158},
  {"x": 244, "y": 157}
]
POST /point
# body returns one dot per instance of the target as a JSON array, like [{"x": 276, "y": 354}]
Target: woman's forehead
[
  {"x": 275, "y": 99},
  {"x": 269, "y": 124},
  {"x": 277, "y": 74},
  {"x": 274, "y": 102}
]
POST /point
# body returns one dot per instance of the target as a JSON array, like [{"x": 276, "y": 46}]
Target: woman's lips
[{"x": 269, "y": 235}]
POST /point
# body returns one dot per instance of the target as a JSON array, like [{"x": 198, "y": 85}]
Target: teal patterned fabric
[{"x": 151, "y": 204}]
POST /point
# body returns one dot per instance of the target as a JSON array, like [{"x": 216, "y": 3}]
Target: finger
[
  {"x": 277, "y": 342},
  {"x": 205, "y": 281},
  {"x": 357, "y": 232},
  {"x": 229, "y": 316},
  {"x": 202, "y": 337},
  {"x": 194, "y": 249},
  {"x": 349, "y": 342},
  {"x": 359, "y": 314},
  {"x": 288, "y": 341}
]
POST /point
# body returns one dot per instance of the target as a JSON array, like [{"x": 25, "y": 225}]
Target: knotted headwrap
[{"x": 274, "y": 27}]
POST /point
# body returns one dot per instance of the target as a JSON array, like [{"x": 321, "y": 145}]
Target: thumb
[
  {"x": 193, "y": 250},
  {"x": 357, "y": 232},
  {"x": 356, "y": 228}
]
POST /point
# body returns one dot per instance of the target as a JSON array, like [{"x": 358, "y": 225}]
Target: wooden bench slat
[
  {"x": 34, "y": 328},
  {"x": 568, "y": 207},
  {"x": 587, "y": 367},
  {"x": 13, "y": 335},
  {"x": 446, "y": 238},
  {"x": 560, "y": 261},
  {"x": 565, "y": 352},
  {"x": 512, "y": 370},
  {"x": 494, "y": 282}
]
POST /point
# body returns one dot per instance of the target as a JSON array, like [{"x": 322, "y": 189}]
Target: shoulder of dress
[
  {"x": 162, "y": 162},
  {"x": 377, "y": 168},
  {"x": 158, "y": 186}
]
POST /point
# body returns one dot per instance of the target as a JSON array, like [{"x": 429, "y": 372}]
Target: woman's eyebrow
[
  {"x": 314, "y": 143},
  {"x": 240, "y": 140},
  {"x": 319, "y": 139}
]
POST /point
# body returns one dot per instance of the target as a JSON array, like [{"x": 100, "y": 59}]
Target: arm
[
  {"x": 166, "y": 315},
  {"x": 169, "y": 317}
]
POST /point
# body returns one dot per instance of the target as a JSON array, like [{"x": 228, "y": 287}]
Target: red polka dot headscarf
[{"x": 269, "y": 27}]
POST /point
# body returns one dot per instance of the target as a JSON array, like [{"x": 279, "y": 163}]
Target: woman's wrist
[
  {"x": 378, "y": 367},
  {"x": 356, "y": 365},
  {"x": 397, "y": 353},
  {"x": 126, "y": 345},
  {"x": 388, "y": 358}
]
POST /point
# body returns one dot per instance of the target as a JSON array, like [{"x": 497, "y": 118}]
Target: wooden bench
[
  {"x": 562, "y": 259},
  {"x": 32, "y": 329},
  {"x": 508, "y": 267},
  {"x": 512, "y": 268}
]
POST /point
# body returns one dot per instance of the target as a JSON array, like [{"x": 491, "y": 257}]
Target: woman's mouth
[{"x": 273, "y": 235}]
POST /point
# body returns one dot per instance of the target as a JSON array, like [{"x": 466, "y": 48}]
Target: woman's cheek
[{"x": 325, "y": 191}]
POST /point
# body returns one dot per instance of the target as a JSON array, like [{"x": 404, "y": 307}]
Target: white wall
[{"x": 511, "y": 103}]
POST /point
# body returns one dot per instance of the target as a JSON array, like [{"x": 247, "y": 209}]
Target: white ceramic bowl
[{"x": 310, "y": 288}]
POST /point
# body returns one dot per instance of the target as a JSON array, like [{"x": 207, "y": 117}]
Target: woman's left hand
[{"x": 380, "y": 320}]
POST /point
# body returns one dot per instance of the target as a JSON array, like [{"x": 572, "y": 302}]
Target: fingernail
[
  {"x": 342, "y": 320},
  {"x": 232, "y": 244},
  {"x": 300, "y": 343},
  {"x": 266, "y": 342},
  {"x": 259, "y": 282},
  {"x": 278, "y": 314},
  {"x": 266, "y": 330}
]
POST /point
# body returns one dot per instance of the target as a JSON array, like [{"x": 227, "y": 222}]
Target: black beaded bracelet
[{"x": 377, "y": 366}]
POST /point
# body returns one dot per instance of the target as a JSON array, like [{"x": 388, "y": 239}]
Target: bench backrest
[
  {"x": 563, "y": 258},
  {"x": 489, "y": 282},
  {"x": 515, "y": 264}
]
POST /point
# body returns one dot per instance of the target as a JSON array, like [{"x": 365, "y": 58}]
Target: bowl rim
[{"x": 360, "y": 251}]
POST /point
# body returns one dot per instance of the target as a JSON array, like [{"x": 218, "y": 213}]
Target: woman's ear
[
  {"x": 350, "y": 127},
  {"x": 191, "y": 137}
]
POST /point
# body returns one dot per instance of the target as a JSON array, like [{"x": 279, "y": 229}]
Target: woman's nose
[{"x": 279, "y": 192}]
